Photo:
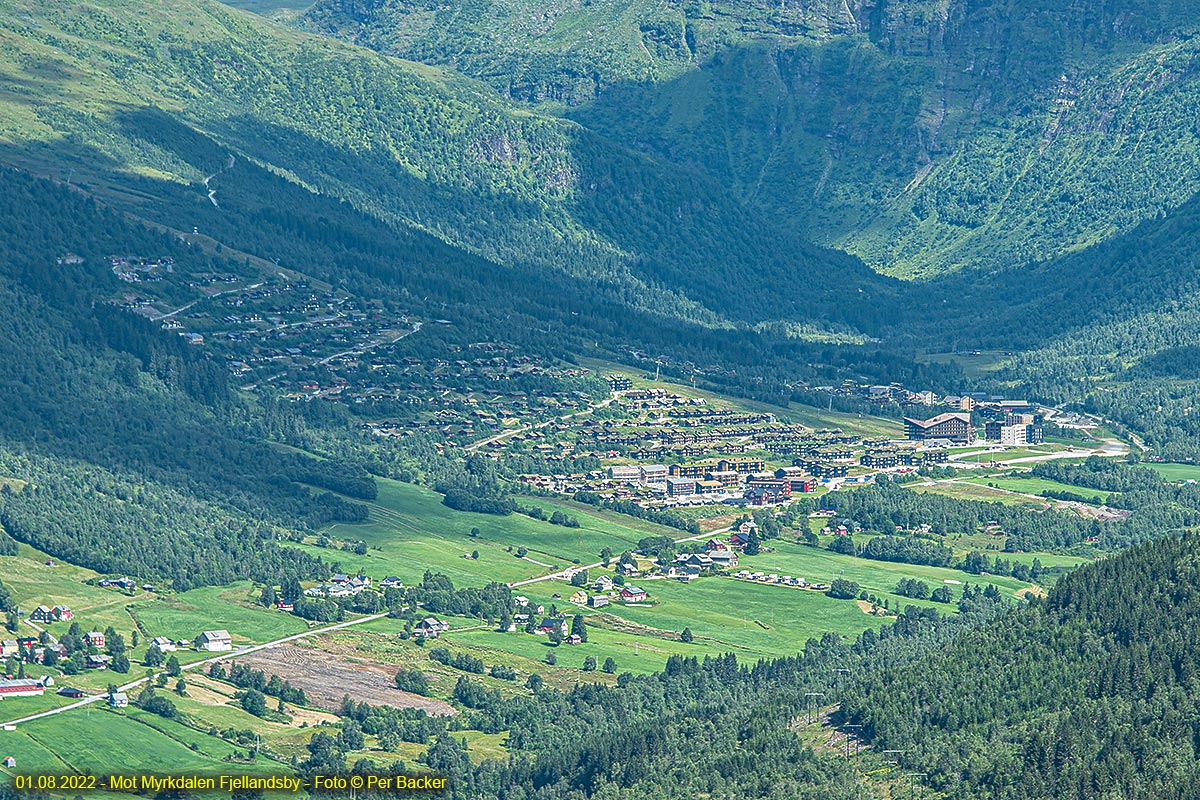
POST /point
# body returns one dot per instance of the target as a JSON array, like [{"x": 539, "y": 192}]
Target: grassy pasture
[
  {"x": 1175, "y": 472},
  {"x": 410, "y": 531},
  {"x": 1035, "y": 485},
  {"x": 185, "y": 615}
]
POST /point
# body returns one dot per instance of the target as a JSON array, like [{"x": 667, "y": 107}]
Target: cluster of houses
[
  {"x": 1012, "y": 423},
  {"x": 896, "y": 393},
  {"x": 125, "y": 584},
  {"x": 527, "y": 610},
  {"x": 32, "y": 651},
  {"x": 664, "y": 433},
  {"x": 28, "y": 646},
  {"x": 342, "y": 585},
  {"x": 781, "y": 580},
  {"x": 607, "y": 592},
  {"x": 729, "y": 481},
  {"x": 48, "y": 614}
]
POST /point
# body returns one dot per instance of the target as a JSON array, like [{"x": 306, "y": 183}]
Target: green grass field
[
  {"x": 1048, "y": 559},
  {"x": 1175, "y": 472},
  {"x": 973, "y": 365},
  {"x": 878, "y": 577},
  {"x": 410, "y": 531},
  {"x": 751, "y": 620},
  {"x": 1034, "y": 485},
  {"x": 725, "y": 615},
  {"x": 972, "y": 491},
  {"x": 631, "y": 652},
  {"x": 986, "y": 455},
  {"x": 103, "y": 741},
  {"x": 186, "y": 615}
]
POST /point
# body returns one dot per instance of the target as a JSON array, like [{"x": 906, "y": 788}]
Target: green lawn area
[
  {"x": 410, "y": 557},
  {"x": 410, "y": 531},
  {"x": 725, "y": 614},
  {"x": 972, "y": 491},
  {"x": 749, "y": 619},
  {"x": 631, "y": 652},
  {"x": 1047, "y": 559},
  {"x": 878, "y": 577},
  {"x": 1175, "y": 472},
  {"x": 103, "y": 741},
  {"x": 1034, "y": 485},
  {"x": 33, "y": 583},
  {"x": 966, "y": 451},
  {"x": 985, "y": 455},
  {"x": 185, "y": 615},
  {"x": 973, "y": 365}
]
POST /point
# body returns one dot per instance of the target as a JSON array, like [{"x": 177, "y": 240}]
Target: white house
[{"x": 216, "y": 641}]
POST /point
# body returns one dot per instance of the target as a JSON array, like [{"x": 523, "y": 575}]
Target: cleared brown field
[{"x": 327, "y": 677}]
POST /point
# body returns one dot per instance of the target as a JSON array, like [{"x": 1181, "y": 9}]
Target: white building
[
  {"x": 165, "y": 645},
  {"x": 216, "y": 641},
  {"x": 1013, "y": 435}
]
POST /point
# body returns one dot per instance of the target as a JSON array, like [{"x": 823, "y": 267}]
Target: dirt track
[{"x": 327, "y": 677}]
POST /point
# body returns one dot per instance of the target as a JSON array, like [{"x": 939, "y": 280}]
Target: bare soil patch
[{"x": 327, "y": 677}]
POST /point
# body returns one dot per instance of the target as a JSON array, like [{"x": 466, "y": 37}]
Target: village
[
  {"x": 663, "y": 449},
  {"x": 642, "y": 441},
  {"x": 75, "y": 651}
]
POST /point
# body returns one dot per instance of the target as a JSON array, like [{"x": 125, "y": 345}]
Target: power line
[{"x": 911, "y": 784}]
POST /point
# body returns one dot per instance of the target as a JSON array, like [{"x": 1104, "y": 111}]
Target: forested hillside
[
  {"x": 416, "y": 147},
  {"x": 981, "y": 137},
  {"x": 1090, "y": 693},
  {"x": 124, "y": 439},
  {"x": 924, "y": 137}
]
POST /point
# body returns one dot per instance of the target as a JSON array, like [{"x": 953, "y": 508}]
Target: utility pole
[
  {"x": 848, "y": 737},
  {"x": 911, "y": 784},
  {"x": 892, "y": 762},
  {"x": 810, "y": 696}
]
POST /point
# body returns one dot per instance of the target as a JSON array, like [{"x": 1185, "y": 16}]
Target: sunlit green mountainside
[
  {"x": 566, "y": 51},
  {"x": 924, "y": 137},
  {"x": 413, "y": 146}
]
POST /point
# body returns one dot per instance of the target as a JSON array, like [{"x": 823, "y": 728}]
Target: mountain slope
[
  {"x": 923, "y": 136},
  {"x": 562, "y": 51},
  {"x": 963, "y": 156},
  {"x": 137, "y": 455},
  {"x": 410, "y": 145},
  {"x": 1091, "y": 693}
]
